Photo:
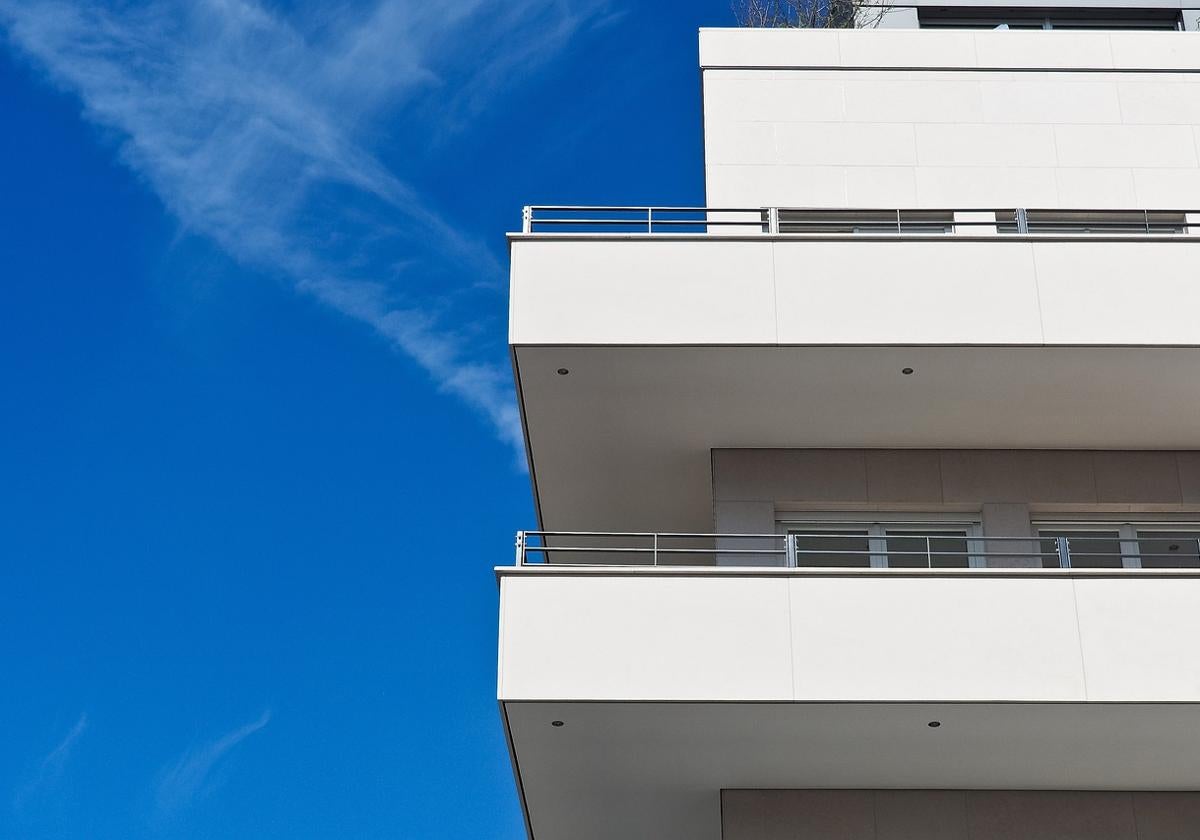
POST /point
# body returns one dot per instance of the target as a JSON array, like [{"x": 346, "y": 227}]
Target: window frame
[
  {"x": 878, "y": 523},
  {"x": 1128, "y": 532}
]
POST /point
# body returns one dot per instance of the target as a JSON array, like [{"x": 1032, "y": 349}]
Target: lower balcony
[{"x": 634, "y": 694}]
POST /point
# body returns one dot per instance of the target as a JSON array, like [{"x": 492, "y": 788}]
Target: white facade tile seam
[
  {"x": 775, "y": 292},
  {"x": 791, "y": 608},
  {"x": 1079, "y": 637},
  {"x": 1037, "y": 292}
]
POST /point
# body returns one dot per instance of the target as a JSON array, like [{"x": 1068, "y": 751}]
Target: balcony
[
  {"x": 644, "y": 338},
  {"x": 897, "y": 549},
  {"x": 634, "y": 694}
]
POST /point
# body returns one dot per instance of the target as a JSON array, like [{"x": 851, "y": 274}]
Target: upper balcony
[{"x": 644, "y": 338}]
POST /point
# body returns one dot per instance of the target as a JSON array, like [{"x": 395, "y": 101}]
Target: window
[
  {"x": 1093, "y": 221},
  {"x": 927, "y": 543},
  {"x": 1162, "y": 545},
  {"x": 962, "y": 17},
  {"x": 866, "y": 221}
]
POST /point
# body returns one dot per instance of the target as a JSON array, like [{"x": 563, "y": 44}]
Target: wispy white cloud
[
  {"x": 256, "y": 129},
  {"x": 50, "y": 769},
  {"x": 189, "y": 776}
]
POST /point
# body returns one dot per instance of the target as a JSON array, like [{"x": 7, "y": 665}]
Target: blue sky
[{"x": 258, "y": 443}]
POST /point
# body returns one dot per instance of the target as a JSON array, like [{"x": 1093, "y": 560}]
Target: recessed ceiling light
[
  {"x": 1172, "y": 547},
  {"x": 556, "y": 723},
  {"x": 563, "y": 371},
  {"x": 934, "y": 724},
  {"x": 907, "y": 371}
]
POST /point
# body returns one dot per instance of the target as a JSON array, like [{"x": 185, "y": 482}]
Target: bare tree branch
[{"x": 810, "y": 14}]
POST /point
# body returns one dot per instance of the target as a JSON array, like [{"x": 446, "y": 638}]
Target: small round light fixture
[
  {"x": 556, "y": 723},
  {"x": 907, "y": 371},
  {"x": 934, "y": 724},
  {"x": 563, "y": 371},
  {"x": 1172, "y": 547}
]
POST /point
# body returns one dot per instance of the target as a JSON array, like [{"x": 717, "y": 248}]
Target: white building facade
[{"x": 869, "y": 494}]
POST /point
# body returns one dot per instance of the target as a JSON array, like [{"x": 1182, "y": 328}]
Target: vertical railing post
[
  {"x": 526, "y": 219},
  {"x": 1022, "y": 220},
  {"x": 1064, "y": 552},
  {"x": 655, "y": 549},
  {"x": 928, "y": 552},
  {"x": 789, "y": 549},
  {"x": 1147, "y": 212},
  {"x": 520, "y": 548},
  {"x": 899, "y": 229},
  {"x": 773, "y": 220},
  {"x": 649, "y": 220}
]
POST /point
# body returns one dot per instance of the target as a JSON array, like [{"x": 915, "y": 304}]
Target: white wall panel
[
  {"x": 881, "y": 186},
  {"x": 912, "y": 99},
  {"x": 740, "y": 142},
  {"x": 1139, "y": 638},
  {"x": 604, "y": 638},
  {"x": 856, "y": 144},
  {"x": 1177, "y": 51},
  {"x": 985, "y": 145},
  {"x": 1125, "y": 145},
  {"x": 935, "y": 639},
  {"x": 1160, "y": 102},
  {"x": 1009, "y": 110},
  {"x": 642, "y": 292},
  {"x": 948, "y": 291},
  {"x": 733, "y": 48},
  {"x": 901, "y": 48},
  {"x": 1124, "y": 293},
  {"x": 738, "y": 47},
  {"x": 850, "y": 638},
  {"x": 787, "y": 99},
  {"x": 1096, "y": 188},
  {"x": 1046, "y": 99},
  {"x": 1054, "y": 49},
  {"x": 1168, "y": 188},
  {"x": 775, "y": 186},
  {"x": 975, "y": 187},
  {"x": 833, "y": 292}
]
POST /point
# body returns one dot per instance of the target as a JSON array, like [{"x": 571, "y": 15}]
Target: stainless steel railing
[
  {"x": 817, "y": 221},
  {"x": 902, "y": 549}
]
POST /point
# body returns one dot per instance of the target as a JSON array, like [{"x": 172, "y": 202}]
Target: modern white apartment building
[{"x": 869, "y": 495}]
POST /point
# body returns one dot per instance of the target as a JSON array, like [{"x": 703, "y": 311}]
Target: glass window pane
[
  {"x": 833, "y": 547},
  {"x": 1099, "y": 549},
  {"x": 941, "y": 549},
  {"x": 1169, "y": 549}
]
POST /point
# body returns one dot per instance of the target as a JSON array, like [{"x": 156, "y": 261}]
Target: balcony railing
[
  {"x": 833, "y": 550},
  {"x": 800, "y": 221}
]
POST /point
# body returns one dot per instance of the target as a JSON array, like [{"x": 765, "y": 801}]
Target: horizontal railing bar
[
  {"x": 756, "y": 222},
  {"x": 1008, "y": 212},
  {"x": 547, "y": 549},
  {"x": 893, "y": 536},
  {"x": 644, "y": 211},
  {"x": 643, "y": 534}
]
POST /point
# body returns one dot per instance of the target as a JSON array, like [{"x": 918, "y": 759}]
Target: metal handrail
[
  {"x": 942, "y": 550},
  {"x": 799, "y": 221}
]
